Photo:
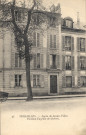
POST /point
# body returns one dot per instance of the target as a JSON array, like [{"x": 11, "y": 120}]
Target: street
[{"x": 61, "y": 116}]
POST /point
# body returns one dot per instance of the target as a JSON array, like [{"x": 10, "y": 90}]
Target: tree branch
[
  {"x": 13, "y": 17},
  {"x": 29, "y": 17}
]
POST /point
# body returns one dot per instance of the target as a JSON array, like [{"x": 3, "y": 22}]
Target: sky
[{"x": 70, "y": 8}]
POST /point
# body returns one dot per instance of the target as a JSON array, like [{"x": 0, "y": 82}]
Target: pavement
[{"x": 48, "y": 97}]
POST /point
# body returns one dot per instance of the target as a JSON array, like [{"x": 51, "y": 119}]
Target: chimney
[{"x": 78, "y": 19}]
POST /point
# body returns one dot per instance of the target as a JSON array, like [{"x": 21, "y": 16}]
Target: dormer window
[{"x": 69, "y": 24}]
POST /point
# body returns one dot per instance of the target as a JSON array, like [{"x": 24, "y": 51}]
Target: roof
[{"x": 76, "y": 26}]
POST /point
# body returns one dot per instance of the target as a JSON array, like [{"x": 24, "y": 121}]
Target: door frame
[{"x": 49, "y": 84}]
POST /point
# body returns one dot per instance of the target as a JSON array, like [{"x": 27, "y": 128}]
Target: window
[
  {"x": 18, "y": 80},
  {"x": 37, "y": 60},
  {"x": 82, "y": 44},
  {"x": 69, "y": 23},
  {"x": 53, "y": 61},
  {"x": 68, "y": 81},
  {"x": 83, "y": 81},
  {"x": 52, "y": 21},
  {"x": 36, "y": 19},
  {"x": 36, "y": 39},
  {"x": 82, "y": 63},
  {"x": 52, "y": 41},
  {"x": 18, "y": 15},
  {"x": 18, "y": 61},
  {"x": 68, "y": 62},
  {"x": 36, "y": 80},
  {"x": 67, "y": 43}
]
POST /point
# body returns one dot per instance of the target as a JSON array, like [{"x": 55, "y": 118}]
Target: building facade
[{"x": 59, "y": 59}]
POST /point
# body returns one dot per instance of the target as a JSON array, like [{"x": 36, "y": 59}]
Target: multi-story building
[
  {"x": 59, "y": 59},
  {"x": 73, "y": 55}
]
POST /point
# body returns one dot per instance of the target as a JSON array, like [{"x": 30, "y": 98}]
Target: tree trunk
[{"x": 27, "y": 60}]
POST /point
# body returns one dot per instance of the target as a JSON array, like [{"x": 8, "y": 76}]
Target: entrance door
[{"x": 53, "y": 84}]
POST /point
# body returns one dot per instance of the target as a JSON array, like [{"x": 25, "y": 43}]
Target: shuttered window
[
  {"x": 38, "y": 60},
  {"x": 82, "y": 63},
  {"x": 67, "y": 43},
  {"x": 18, "y": 61},
  {"x": 38, "y": 81},
  {"x": 81, "y": 44},
  {"x": 53, "y": 61},
  {"x": 68, "y": 62},
  {"x": 52, "y": 41},
  {"x": 36, "y": 39},
  {"x": 68, "y": 81}
]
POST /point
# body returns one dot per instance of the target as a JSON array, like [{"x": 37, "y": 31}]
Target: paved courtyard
[{"x": 61, "y": 116}]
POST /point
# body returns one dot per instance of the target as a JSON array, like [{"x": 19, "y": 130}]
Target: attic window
[
  {"x": 69, "y": 23},
  {"x": 18, "y": 15},
  {"x": 52, "y": 21}
]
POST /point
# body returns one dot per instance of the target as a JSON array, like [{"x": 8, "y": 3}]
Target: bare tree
[{"x": 22, "y": 33}]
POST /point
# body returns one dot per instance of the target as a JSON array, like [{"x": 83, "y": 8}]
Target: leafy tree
[
  {"x": 23, "y": 20},
  {"x": 22, "y": 30}
]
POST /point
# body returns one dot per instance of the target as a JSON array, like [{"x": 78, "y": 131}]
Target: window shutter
[
  {"x": 72, "y": 62},
  {"x": 13, "y": 59},
  {"x": 24, "y": 81},
  {"x": 48, "y": 61},
  {"x": 41, "y": 60},
  {"x": 38, "y": 39},
  {"x": 63, "y": 81},
  {"x": 35, "y": 63},
  {"x": 16, "y": 60},
  {"x": 63, "y": 62},
  {"x": 32, "y": 63},
  {"x": 58, "y": 62},
  {"x": 31, "y": 78},
  {"x": 34, "y": 39},
  {"x": 42, "y": 80},
  {"x": 73, "y": 81},
  {"x": 50, "y": 41},
  {"x": 54, "y": 41},
  {"x": 78, "y": 62},
  {"x": 78, "y": 44},
  {"x": 72, "y": 43},
  {"x": 12, "y": 81},
  {"x": 85, "y": 44},
  {"x": 63, "y": 42},
  {"x": 79, "y": 81},
  {"x": 20, "y": 62}
]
